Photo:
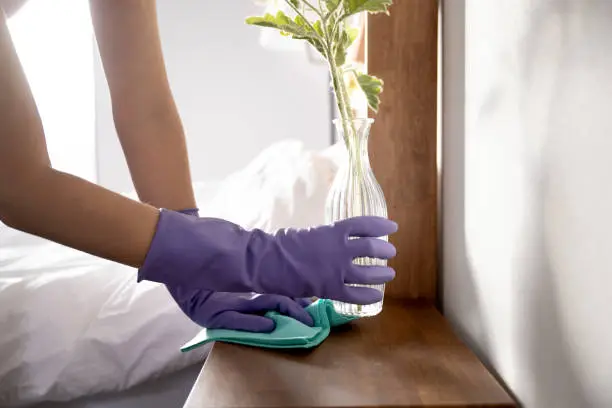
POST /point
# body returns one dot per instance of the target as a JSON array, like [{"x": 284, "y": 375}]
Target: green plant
[{"x": 323, "y": 26}]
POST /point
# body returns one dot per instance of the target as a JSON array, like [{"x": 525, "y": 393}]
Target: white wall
[
  {"x": 527, "y": 198},
  {"x": 235, "y": 97}
]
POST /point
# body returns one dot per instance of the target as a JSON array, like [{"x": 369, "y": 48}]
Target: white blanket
[{"x": 73, "y": 325}]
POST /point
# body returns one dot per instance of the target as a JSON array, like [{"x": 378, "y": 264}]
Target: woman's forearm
[
  {"x": 156, "y": 154},
  {"x": 145, "y": 114},
  {"x": 41, "y": 201},
  {"x": 76, "y": 213}
]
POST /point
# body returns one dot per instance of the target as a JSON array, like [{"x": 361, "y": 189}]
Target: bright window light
[{"x": 54, "y": 41}]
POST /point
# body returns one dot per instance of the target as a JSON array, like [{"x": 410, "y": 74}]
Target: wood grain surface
[
  {"x": 402, "y": 50},
  {"x": 406, "y": 357}
]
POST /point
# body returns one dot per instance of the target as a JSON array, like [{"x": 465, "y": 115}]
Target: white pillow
[{"x": 284, "y": 186}]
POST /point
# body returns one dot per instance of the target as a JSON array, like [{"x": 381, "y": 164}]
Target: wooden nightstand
[{"x": 407, "y": 356}]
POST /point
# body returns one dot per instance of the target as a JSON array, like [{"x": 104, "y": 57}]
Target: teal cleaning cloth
[{"x": 289, "y": 333}]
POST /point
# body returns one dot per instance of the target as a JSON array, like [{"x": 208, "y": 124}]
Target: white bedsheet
[{"x": 73, "y": 325}]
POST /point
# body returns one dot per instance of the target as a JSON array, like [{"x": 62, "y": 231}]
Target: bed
[{"x": 78, "y": 331}]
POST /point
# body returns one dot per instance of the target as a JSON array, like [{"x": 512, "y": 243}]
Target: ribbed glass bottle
[{"x": 355, "y": 192}]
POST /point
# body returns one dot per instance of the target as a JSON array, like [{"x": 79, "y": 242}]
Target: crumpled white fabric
[
  {"x": 72, "y": 324},
  {"x": 284, "y": 186}
]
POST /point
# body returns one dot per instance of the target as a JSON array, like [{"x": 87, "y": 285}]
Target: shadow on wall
[
  {"x": 461, "y": 301},
  {"x": 512, "y": 239},
  {"x": 551, "y": 378}
]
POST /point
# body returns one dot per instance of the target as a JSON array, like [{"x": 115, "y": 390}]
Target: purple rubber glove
[
  {"x": 217, "y": 255},
  {"x": 235, "y": 311}
]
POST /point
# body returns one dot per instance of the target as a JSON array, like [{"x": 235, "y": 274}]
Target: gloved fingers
[
  {"x": 293, "y": 309},
  {"x": 361, "y": 296},
  {"x": 368, "y": 226},
  {"x": 369, "y": 274},
  {"x": 304, "y": 302},
  {"x": 283, "y": 305},
  {"x": 232, "y": 320},
  {"x": 372, "y": 248}
]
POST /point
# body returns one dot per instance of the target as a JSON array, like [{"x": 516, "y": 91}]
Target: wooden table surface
[{"x": 405, "y": 357}]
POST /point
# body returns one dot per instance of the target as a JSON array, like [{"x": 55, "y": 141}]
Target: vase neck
[{"x": 355, "y": 134}]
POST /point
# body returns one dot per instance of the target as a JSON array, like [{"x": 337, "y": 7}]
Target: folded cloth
[{"x": 288, "y": 333}]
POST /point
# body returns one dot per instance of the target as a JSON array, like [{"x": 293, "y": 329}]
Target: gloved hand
[
  {"x": 217, "y": 255},
  {"x": 235, "y": 311}
]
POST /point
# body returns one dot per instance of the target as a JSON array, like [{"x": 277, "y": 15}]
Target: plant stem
[
  {"x": 301, "y": 15},
  {"x": 346, "y": 114},
  {"x": 313, "y": 8},
  {"x": 341, "y": 97}
]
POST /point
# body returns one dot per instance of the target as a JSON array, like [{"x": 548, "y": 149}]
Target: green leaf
[
  {"x": 295, "y": 3},
  {"x": 372, "y": 88},
  {"x": 343, "y": 41},
  {"x": 298, "y": 29},
  {"x": 317, "y": 45},
  {"x": 340, "y": 55},
  {"x": 268, "y": 20},
  {"x": 353, "y": 33},
  {"x": 371, "y": 6},
  {"x": 314, "y": 38},
  {"x": 300, "y": 21},
  {"x": 332, "y": 5},
  {"x": 332, "y": 19},
  {"x": 318, "y": 28}
]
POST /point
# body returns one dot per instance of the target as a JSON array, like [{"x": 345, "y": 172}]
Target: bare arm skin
[
  {"x": 144, "y": 110},
  {"x": 39, "y": 200}
]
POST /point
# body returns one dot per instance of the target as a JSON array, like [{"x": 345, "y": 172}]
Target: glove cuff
[
  {"x": 191, "y": 211},
  {"x": 174, "y": 232}
]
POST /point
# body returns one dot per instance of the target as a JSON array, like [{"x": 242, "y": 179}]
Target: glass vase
[{"x": 355, "y": 192}]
